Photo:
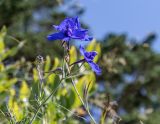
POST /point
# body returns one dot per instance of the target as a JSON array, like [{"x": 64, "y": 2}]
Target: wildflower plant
[
  {"x": 53, "y": 91},
  {"x": 68, "y": 29},
  {"x": 88, "y": 57}
]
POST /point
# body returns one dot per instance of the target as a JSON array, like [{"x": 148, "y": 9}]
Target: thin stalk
[
  {"x": 87, "y": 106},
  {"x": 53, "y": 92},
  {"x": 73, "y": 83},
  {"x": 12, "y": 118},
  {"x": 73, "y": 76},
  {"x": 79, "y": 68},
  {"x": 59, "y": 105},
  {"x": 82, "y": 60},
  {"x": 40, "y": 74},
  {"x": 53, "y": 71}
]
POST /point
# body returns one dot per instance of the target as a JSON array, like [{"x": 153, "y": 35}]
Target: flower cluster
[
  {"x": 89, "y": 57},
  {"x": 69, "y": 29}
]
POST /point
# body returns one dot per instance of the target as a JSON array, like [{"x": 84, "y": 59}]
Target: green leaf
[
  {"x": 85, "y": 80},
  {"x": 56, "y": 63},
  {"x": 73, "y": 55},
  {"x": 47, "y": 64},
  {"x": 6, "y": 84},
  {"x": 15, "y": 109},
  {"x": 2, "y": 35},
  {"x": 35, "y": 75},
  {"x": 24, "y": 91},
  {"x": 11, "y": 52}
]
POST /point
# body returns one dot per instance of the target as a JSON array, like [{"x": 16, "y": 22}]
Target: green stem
[
  {"x": 71, "y": 112},
  {"x": 82, "y": 60},
  {"x": 53, "y": 92},
  {"x": 73, "y": 83}
]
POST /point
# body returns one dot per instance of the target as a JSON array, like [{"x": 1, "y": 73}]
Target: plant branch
[{"x": 73, "y": 83}]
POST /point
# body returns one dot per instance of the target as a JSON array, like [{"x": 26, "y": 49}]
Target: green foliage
[
  {"x": 20, "y": 83},
  {"x": 7, "y": 80}
]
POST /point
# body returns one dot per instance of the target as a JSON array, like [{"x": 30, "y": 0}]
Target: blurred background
[
  {"x": 134, "y": 18},
  {"x": 127, "y": 33}
]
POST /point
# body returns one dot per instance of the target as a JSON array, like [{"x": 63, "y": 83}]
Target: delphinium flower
[
  {"x": 69, "y": 29},
  {"x": 89, "y": 57}
]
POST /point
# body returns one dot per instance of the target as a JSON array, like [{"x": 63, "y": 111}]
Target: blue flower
[
  {"x": 89, "y": 57},
  {"x": 68, "y": 29}
]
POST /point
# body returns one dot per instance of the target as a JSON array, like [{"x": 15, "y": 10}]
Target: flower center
[
  {"x": 69, "y": 32},
  {"x": 89, "y": 56}
]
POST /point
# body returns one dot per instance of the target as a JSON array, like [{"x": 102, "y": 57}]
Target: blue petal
[
  {"x": 77, "y": 22},
  {"x": 93, "y": 53},
  {"x": 68, "y": 23},
  {"x": 88, "y": 38},
  {"x": 63, "y": 25},
  {"x": 56, "y": 27},
  {"x": 79, "y": 34},
  {"x": 56, "y": 36},
  {"x": 82, "y": 50},
  {"x": 95, "y": 68},
  {"x": 89, "y": 56}
]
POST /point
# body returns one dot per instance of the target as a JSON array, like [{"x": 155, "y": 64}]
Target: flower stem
[
  {"x": 82, "y": 60},
  {"x": 73, "y": 83}
]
